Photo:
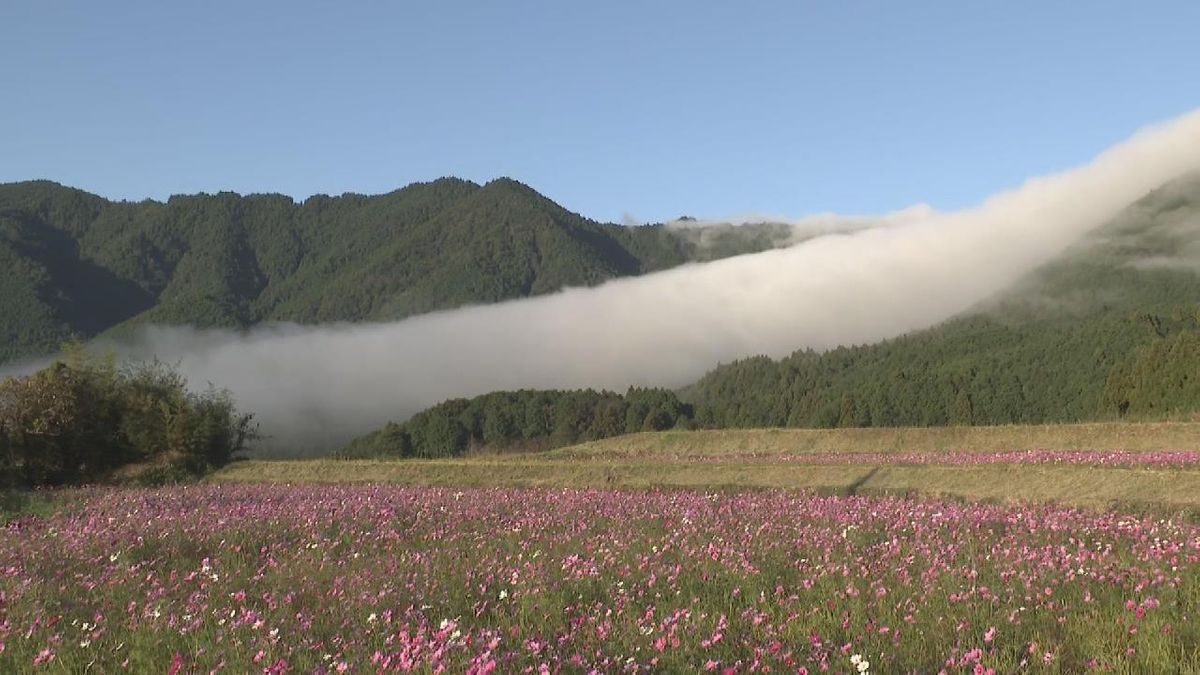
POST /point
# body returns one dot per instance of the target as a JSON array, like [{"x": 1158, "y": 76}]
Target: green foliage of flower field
[{"x": 368, "y": 578}]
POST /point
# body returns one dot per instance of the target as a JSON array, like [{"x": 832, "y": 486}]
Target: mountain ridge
[{"x": 79, "y": 265}]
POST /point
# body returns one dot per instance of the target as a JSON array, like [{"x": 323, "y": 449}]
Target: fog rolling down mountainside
[
  {"x": 313, "y": 387},
  {"x": 1108, "y": 330},
  {"x": 77, "y": 265},
  {"x": 316, "y": 386}
]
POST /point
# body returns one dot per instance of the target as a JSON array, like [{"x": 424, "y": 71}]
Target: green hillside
[
  {"x": 1111, "y": 329},
  {"x": 76, "y": 265}
]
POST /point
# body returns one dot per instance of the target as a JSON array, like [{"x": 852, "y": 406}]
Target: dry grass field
[
  {"x": 1148, "y": 437},
  {"x": 763, "y": 459}
]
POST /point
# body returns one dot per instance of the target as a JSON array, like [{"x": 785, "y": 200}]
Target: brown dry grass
[
  {"x": 654, "y": 460},
  {"x": 1100, "y": 436}
]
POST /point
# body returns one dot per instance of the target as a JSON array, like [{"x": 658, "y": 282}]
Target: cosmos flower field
[{"x": 303, "y": 579}]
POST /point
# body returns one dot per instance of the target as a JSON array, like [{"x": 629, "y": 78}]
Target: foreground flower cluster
[
  {"x": 307, "y": 579},
  {"x": 1113, "y": 458}
]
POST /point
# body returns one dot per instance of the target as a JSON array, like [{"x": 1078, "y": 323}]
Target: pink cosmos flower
[{"x": 44, "y": 656}]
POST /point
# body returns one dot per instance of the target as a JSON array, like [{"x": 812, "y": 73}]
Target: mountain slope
[
  {"x": 76, "y": 265},
  {"x": 501, "y": 241},
  {"x": 1110, "y": 329},
  {"x": 48, "y": 293}
]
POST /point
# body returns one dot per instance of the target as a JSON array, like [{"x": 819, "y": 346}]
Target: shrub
[{"x": 83, "y": 420}]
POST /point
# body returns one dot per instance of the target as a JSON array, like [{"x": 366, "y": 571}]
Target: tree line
[
  {"x": 525, "y": 420},
  {"x": 977, "y": 370}
]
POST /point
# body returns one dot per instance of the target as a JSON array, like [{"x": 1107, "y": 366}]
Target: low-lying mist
[{"x": 312, "y": 387}]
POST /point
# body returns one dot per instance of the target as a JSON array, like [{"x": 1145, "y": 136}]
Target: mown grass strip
[
  {"x": 1097, "y": 437},
  {"x": 1075, "y": 485}
]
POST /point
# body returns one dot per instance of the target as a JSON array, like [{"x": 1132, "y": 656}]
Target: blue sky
[{"x": 654, "y": 109}]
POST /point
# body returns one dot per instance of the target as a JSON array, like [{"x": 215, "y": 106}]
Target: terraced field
[{"x": 1131, "y": 465}]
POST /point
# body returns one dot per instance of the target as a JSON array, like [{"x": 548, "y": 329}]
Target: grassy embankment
[{"x": 773, "y": 458}]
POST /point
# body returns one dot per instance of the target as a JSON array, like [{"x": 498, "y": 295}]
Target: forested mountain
[
  {"x": 73, "y": 264},
  {"x": 1109, "y": 330}
]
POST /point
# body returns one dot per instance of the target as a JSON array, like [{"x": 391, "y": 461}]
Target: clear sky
[{"x": 654, "y": 109}]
